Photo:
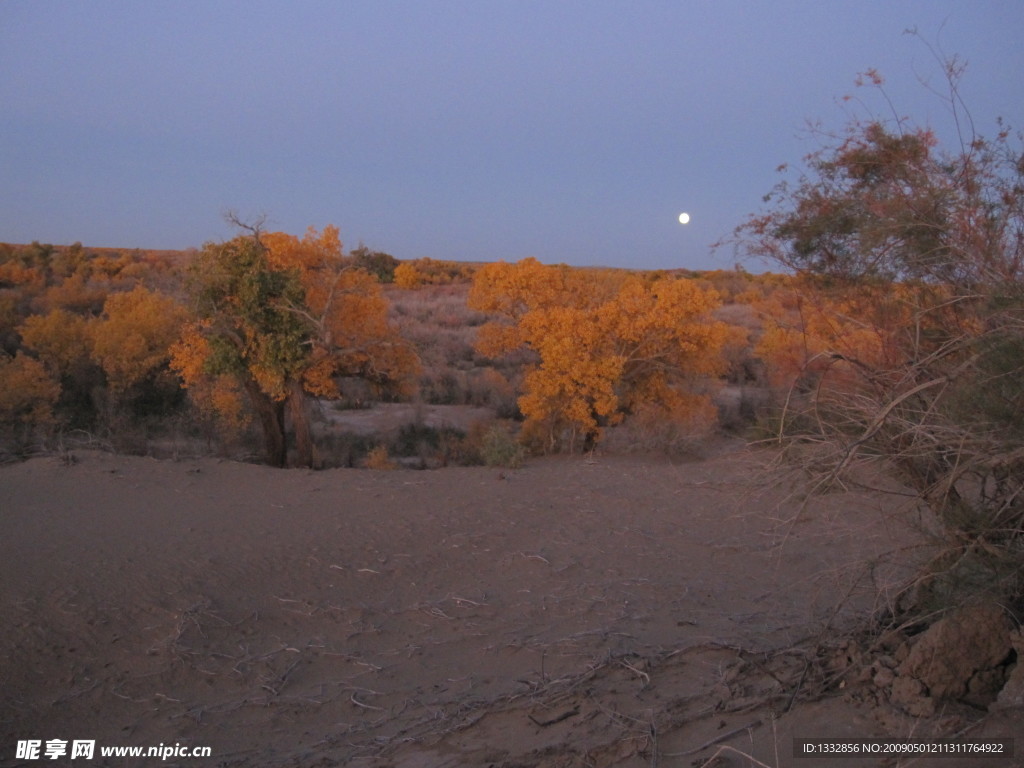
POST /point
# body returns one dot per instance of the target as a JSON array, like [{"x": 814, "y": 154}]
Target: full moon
[{"x": 684, "y": 218}]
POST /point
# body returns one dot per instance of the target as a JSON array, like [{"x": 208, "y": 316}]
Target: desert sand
[{"x": 577, "y": 611}]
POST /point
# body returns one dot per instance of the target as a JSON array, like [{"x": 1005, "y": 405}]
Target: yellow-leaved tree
[
  {"x": 132, "y": 339},
  {"x": 280, "y": 318},
  {"x": 608, "y": 344},
  {"x": 60, "y": 340},
  {"x": 27, "y": 395}
]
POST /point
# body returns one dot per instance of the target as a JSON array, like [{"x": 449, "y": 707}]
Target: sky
[{"x": 476, "y": 130}]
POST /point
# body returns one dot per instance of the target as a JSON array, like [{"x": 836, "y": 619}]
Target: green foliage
[
  {"x": 246, "y": 302},
  {"x": 248, "y": 330},
  {"x": 380, "y": 265},
  {"x": 994, "y": 395},
  {"x": 500, "y": 449}
]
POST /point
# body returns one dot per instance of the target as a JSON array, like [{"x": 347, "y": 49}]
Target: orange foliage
[
  {"x": 27, "y": 392},
  {"x": 60, "y": 339},
  {"x": 608, "y": 344},
  {"x": 282, "y": 317},
  {"x": 427, "y": 271},
  {"x": 75, "y": 294},
  {"x": 30, "y": 279},
  {"x": 407, "y": 276},
  {"x": 133, "y": 338},
  {"x": 217, "y": 397},
  {"x": 810, "y": 329},
  {"x": 348, "y": 312}
]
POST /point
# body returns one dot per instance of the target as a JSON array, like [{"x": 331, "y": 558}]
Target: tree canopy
[
  {"x": 283, "y": 317},
  {"x": 607, "y": 344}
]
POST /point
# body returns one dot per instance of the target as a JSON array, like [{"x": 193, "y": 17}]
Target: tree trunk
[
  {"x": 271, "y": 416},
  {"x": 300, "y": 423}
]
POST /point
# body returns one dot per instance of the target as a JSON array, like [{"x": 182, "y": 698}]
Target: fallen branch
[{"x": 559, "y": 718}]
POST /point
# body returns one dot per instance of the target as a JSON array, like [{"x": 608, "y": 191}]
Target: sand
[{"x": 598, "y": 611}]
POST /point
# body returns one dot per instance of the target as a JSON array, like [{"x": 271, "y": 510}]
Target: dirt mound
[{"x": 962, "y": 657}]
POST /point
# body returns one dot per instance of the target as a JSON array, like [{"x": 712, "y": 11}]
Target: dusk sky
[{"x": 478, "y": 130}]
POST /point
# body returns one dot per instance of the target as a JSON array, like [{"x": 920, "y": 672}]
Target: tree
[
  {"x": 133, "y": 338},
  {"x": 27, "y": 394},
  {"x": 62, "y": 342},
  {"x": 220, "y": 398},
  {"x": 380, "y": 265},
  {"x": 407, "y": 276},
  {"x": 284, "y": 317},
  {"x": 924, "y": 248},
  {"x": 244, "y": 331},
  {"x": 607, "y": 344},
  {"x": 76, "y": 294},
  {"x": 59, "y": 339}
]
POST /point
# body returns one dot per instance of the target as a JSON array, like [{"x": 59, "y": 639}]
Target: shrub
[
  {"x": 345, "y": 449},
  {"x": 911, "y": 325},
  {"x": 379, "y": 459},
  {"x": 500, "y": 449}
]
